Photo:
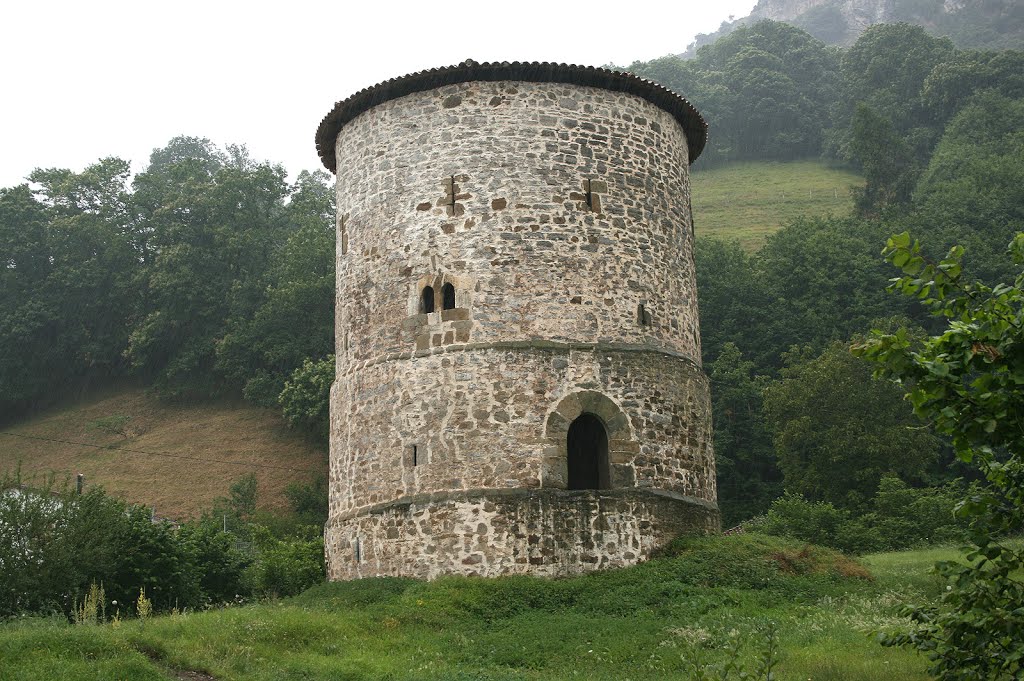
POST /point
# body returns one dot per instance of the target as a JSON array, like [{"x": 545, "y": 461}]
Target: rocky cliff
[{"x": 986, "y": 24}]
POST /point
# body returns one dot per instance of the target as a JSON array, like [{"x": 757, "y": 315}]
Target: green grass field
[
  {"x": 749, "y": 201},
  {"x": 664, "y": 619}
]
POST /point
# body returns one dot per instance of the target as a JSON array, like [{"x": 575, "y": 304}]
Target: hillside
[
  {"x": 979, "y": 24},
  {"x": 709, "y": 603},
  {"x": 175, "y": 458},
  {"x": 749, "y": 201},
  {"x": 179, "y": 458}
]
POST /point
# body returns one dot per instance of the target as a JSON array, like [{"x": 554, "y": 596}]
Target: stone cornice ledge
[
  {"x": 529, "y": 345},
  {"x": 434, "y": 498}
]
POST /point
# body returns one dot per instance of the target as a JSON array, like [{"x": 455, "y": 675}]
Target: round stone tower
[{"x": 519, "y": 386}]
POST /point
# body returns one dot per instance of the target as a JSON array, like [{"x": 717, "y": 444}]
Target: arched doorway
[{"x": 587, "y": 453}]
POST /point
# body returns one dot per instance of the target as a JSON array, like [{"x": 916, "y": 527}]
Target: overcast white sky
[{"x": 83, "y": 80}]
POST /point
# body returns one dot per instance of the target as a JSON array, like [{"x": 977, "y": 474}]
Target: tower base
[{"x": 544, "y": 532}]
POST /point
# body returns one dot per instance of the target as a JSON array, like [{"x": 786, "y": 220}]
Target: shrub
[
  {"x": 218, "y": 564},
  {"x": 306, "y": 397},
  {"x": 309, "y": 500},
  {"x": 898, "y": 517},
  {"x": 817, "y": 522},
  {"x": 283, "y": 567},
  {"x": 55, "y": 545},
  {"x": 36, "y": 564}
]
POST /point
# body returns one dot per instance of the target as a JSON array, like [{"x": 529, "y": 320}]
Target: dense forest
[
  {"x": 938, "y": 134},
  {"x": 209, "y": 274},
  {"x": 206, "y": 275},
  {"x": 974, "y": 24}
]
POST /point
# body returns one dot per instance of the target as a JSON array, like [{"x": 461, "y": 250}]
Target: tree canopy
[
  {"x": 208, "y": 274},
  {"x": 968, "y": 381}
]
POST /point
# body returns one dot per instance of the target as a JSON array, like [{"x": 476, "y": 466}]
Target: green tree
[
  {"x": 766, "y": 89},
  {"x": 94, "y": 249},
  {"x": 814, "y": 281},
  {"x": 886, "y": 69},
  {"x": 243, "y": 493},
  {"x": 887, "y": 160},
  {"x": 967, "y": 381},
  {"x": 310, "y": 500},
  {"x": 68, "y": 282},
  {"x": 822, "y": 282},
  {"x": 729, "y": 297},
  {"x": 837, "y": 431},
  {"x": 972, "y": 192},
  {"x": 215, "y": 222},
  {"x": 29, "y": 320},
  {"x": 306, "y": 397},
  {"x": 953, "y": 83},
  {"x": 54, "y": 544},
  {"x": 295, "y": 319},
  {"x": 748, "y": 478},
  {"x": 218, "y": 564}
]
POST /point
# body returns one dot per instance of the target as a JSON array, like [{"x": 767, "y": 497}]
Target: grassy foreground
[
  {"x": 749, "y": 201},
  {"x": 175, "y": 458},
  {"x": 661, "y": 620}
]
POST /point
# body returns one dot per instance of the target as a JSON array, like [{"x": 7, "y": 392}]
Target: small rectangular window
[{"x": 413, "y": 456}]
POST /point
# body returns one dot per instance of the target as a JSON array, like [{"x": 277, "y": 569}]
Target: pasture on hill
[
  {"x": 174, "y": 458},
  {"x": 749, "y": 201},
  {"x": 708, "y": 603}
]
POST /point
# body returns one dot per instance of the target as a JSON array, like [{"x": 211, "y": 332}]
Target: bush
[
  {"x": 917, "y": 517},
  {"x": 819, "y": 522},
  {"x": 283, "y": 567},
  {"x": 55, "y": 544},
  {"x": 898, "y": 517},
  {"x": 309, "y": 500},
  {"x": 306, "y": 397},
  {"x": 37, "y": 566},
  {"x": 218, "y": 564}
]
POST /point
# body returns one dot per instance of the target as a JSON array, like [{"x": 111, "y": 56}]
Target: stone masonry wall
[
  {"x": 529, "y": 259},
  {"x": 561, "y": 216},
  {"x": 483, "y": 419},
  {"x": 549, "y": 533}
]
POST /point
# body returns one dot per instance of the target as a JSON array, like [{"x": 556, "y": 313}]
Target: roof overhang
[{"x": 693, "y": 124}]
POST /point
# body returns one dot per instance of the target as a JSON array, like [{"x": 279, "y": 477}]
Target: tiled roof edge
[{"x": 689, "y": 118}]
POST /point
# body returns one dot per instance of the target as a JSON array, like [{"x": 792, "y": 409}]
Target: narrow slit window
[
  {"x": 592, "y": 193},
  {"x": 415, "y": 455},
  {"x": 343, "y": 229},
  {"x": 448, "y": 297},
  {"x": 427, "y": 300},
  {"x": 359, "y": 557},
  {"x": 643, "y": 315}
]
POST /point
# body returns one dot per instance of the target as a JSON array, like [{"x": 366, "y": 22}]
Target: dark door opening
[{"x": 587, "y": 449}]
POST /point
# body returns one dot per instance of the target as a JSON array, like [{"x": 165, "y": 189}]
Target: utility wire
[{"x": 170, "y": 456}]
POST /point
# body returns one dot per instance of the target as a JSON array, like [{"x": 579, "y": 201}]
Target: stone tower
[{"x": 519, "y": 386}]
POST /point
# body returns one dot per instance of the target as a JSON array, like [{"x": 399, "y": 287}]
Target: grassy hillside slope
[
  {"x": 176, "y": 458},
  {"x": 665, "y": 619},
  {"x": 749, "y": 201}
]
